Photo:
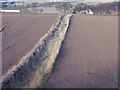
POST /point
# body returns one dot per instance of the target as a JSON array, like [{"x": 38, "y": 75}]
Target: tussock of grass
[{"x": 56, "y": 45}]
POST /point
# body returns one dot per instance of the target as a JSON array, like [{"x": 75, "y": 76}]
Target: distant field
[
  {"x": 22, "y": 31},
  {"x": 85, "y": 2},
  {"x": 74, "y": 3},
  {"x": 45, "y": 10}
]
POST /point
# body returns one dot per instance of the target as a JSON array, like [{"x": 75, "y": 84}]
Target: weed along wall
[{"x": 34, "y": 69}]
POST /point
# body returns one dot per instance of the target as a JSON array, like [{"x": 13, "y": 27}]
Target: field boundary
[{"x": 34, "y": 68}]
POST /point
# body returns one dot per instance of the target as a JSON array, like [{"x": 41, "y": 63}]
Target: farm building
[
  {"x": 89, "y": 11},
  {"x": 9, "y": 11}
]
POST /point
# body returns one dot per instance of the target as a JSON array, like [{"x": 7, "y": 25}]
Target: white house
[{"x": 89, "y": 11}]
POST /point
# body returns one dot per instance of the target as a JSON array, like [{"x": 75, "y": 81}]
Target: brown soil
[
  {"x": 89, "y": 55},
  {"x": 20, "y": 35}
]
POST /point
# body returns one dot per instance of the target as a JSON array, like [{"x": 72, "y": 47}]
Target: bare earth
[
  {"x": 21, "y": 34},
  {"x": 89, "y": 55}
]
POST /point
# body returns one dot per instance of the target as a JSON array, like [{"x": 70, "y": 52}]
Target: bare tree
[{"x": 41, "y": 10}]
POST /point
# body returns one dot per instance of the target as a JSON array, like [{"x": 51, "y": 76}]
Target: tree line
[
  {"x": 102, "y": 8},
  {"x": 67, "y": 7}
]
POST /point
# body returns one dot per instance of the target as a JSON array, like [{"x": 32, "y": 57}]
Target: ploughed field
[
  {"x": 89, "y": 54},
  {"x": 21, "y": 33}
]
